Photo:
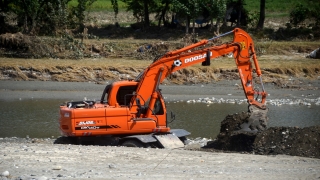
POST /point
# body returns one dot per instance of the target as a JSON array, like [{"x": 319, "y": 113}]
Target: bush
[{"x": 299, "y": 14}]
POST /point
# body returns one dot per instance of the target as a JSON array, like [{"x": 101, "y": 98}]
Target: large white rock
[
  {"x": 314, "y": 54},
  {"x": 5, "y": 173}
]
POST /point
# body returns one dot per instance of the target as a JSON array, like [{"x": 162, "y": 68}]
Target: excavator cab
[{"x": 122, "y": 95}]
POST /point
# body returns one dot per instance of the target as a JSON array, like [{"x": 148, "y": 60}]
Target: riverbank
[
  {"x": 41, "y": 159},
  {"x": 15, "y": 90}
]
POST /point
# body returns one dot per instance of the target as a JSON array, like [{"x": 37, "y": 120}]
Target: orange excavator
[{"x": 133, "y": 112}]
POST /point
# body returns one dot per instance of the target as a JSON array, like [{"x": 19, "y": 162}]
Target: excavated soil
[
  {"x": 289, "y": 140},
  {"x": 292, "y": 141}
]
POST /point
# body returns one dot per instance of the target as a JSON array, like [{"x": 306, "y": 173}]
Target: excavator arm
[{"x": 241, "y": 47}]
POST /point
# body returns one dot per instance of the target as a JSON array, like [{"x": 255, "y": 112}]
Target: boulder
[{"x": 314, "y": 54}]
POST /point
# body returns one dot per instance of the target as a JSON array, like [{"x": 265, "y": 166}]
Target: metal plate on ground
[{"x": 170, "y": 141}]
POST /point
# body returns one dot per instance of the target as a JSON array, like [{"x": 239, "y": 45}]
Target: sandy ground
[
  {"x": 34, "y": 159},
  {"x": 45, "y": 160}
]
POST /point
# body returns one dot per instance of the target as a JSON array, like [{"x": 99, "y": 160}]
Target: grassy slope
[
  {"x": 276, "y": 59},
  {"x": 273, "y": 66}
]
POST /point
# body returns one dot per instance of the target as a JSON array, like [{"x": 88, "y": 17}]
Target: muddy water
[
  {"x": 204, "y": 121},
  {"x": 35, "y": 118},
  {"x": 39, "y": 117}
]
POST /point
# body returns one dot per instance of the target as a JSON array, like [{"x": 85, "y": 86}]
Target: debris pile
[{"x": 292, "y": 141}]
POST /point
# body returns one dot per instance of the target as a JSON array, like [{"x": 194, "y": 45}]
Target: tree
[
  {"x": 141, "y": 9},
  {"x": 79, "y": 11},
  {"x": 301, "y": 12},
  {"x": 43, "y": 16},
  {"x": 5, "y": 7},
  {"x": 190, "y": 9},
  {"x": 216, "y": 9},
  {"x": 236, "y": 13},
  {"x": 55, "y": 17},
  {"x": 262, "y": 14},
  {"x": 146, "y": 13},
  {"x": 115, "y": 7},
  {"x": 161, "y": 9},
  {"x": 29, "y": 12},
  {"x": 239, "y": 10}
]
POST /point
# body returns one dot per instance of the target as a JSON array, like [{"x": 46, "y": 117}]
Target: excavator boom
[
  {"x": 243, "y": 51},
  {"x": 242, "y": 48}
]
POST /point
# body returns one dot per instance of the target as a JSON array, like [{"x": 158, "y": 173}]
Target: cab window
[{"x": 124, "y": 94}]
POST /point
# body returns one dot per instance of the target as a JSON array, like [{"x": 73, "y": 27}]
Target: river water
[{"x": 38, "y": 118}]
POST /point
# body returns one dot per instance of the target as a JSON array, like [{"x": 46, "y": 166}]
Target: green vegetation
[
  {"x": 274, "y": 6},
  {"x": 278, "y": 8},
  {"x": 101, "y": 5},
  {"x": 54, "y": 17}
]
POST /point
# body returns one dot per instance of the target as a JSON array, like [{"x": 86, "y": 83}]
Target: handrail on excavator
[{"x": 221, "y": 35}]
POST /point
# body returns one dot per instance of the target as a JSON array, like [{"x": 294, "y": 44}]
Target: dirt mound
[
  {"x": 20, "y": 45},
  {"x": 275, "y": 140},
  {"x": 23, "y": 46},
  {"x": 289, "y": 140},
  {"x": 237, "y": 132}
]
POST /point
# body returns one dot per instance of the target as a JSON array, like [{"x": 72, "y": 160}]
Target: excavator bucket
[
  {"x": 257, "y": 120},
  {"x": 169, "y": 141}
]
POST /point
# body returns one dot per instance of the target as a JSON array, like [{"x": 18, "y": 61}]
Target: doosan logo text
[
  {"x": 86, "y": 122},
  {"x": 195, "y": 58}
]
